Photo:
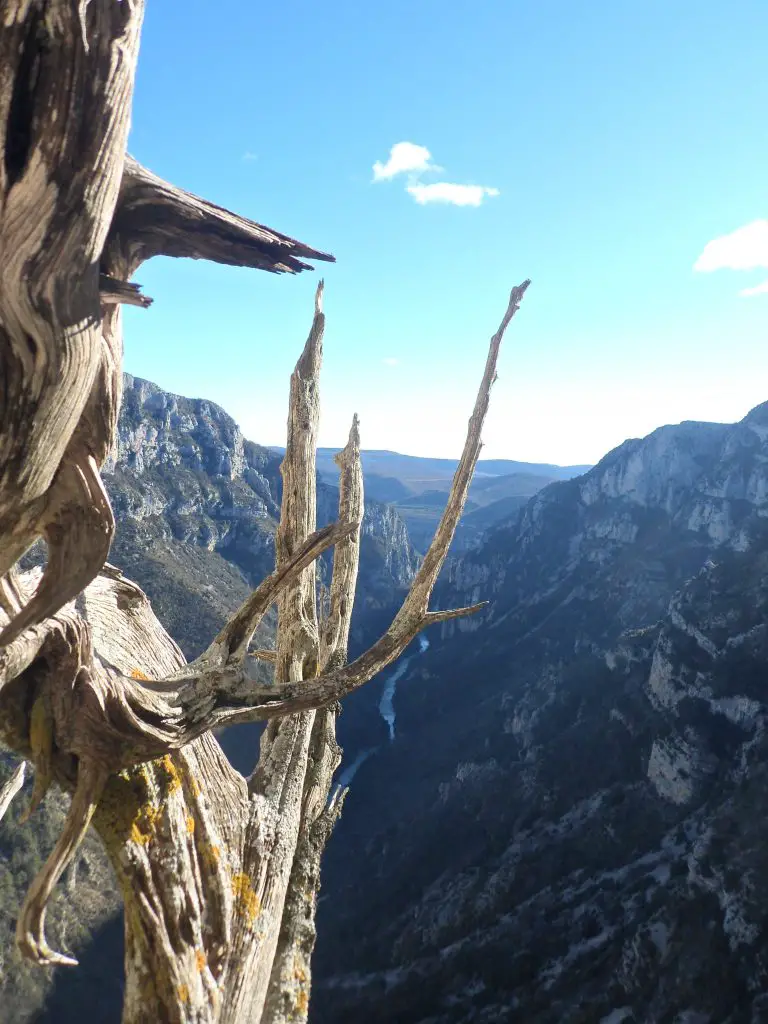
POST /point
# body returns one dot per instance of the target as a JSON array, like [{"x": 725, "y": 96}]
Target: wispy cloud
[
  {"x": 390, "y": 361},
  {"x": 414, "y": 161},
  {"x": 746, "y": 248},
  {"x": 447, "y": 192},
  {"x": 404, "y": 158},
  {"x": 249, "y": 156},
  {"x": 759, "y": 289}
]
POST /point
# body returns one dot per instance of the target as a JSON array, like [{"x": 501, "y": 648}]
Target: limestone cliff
[
  {"x": 197, "y": 507},
  {"x": 579, "y": 830}
]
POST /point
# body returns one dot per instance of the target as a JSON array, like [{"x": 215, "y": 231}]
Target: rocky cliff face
[
  {"x": 197, "y": 507},
  {"x": 570, "y": 825}
]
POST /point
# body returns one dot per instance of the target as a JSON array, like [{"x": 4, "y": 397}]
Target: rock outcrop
[
  {"x": 571, "y": 824},
  {"x": 197, "y": 507}
]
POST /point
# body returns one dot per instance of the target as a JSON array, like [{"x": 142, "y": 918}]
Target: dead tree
[{"x": 219, "y": 873}]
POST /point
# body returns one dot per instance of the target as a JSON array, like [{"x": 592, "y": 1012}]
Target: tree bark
[
  {"x": 12, "y": 787},
  {"x": 219, "y": 874}
]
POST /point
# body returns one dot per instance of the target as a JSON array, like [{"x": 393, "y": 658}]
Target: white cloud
[
  {"x": 249, "y": 156},
  {"x": 408, "y": 158},
  {"x": 743, "y": 249},
  {"x": 390, "y": 361},
  {"x": 759, "y": 289},
  {"x": 404, "y": 158},
  {"x": 446, "y": 192}
]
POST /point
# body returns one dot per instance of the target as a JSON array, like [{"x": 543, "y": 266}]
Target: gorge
[
  {"x": 556, "y": 809},
  {"x": 579, "y": 829}
]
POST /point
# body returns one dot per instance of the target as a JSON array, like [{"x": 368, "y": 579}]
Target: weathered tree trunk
[
  {"x": 219, "y": 874},
  {"x": 12, "y": 787}
]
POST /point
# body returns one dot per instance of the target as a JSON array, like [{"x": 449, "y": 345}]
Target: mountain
[
  {"x": 422, "y": 474},
  {"x": 489, "y": 489},
  {"x": 571, "y": 824},
  {"x": 196, "y": 507},
  {"x": 418, "y": 488},
  {"x": 382, "y": 488},
  {"x": 477, "y": 521},
  {"x": 491, "y": 499}
]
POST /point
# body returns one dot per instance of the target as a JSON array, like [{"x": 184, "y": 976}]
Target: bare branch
[
  {"x": 235, "y": 695},
  {"x": 11, "y": 788},
  {"x": 264, "y": 654},
  {"x": 155, "y": 218},
  {"x": 412, "y": 616},
  {"x": 128, "y": 293},
  {"x": 297, "y": 638},
  {"x": 431, "y": 618},
  {"x": 30, "y": 927},
  {"x": 291, "y": 970},
  {"x": 417, "y": 601},
  {"x": 232, "y": 642},
  {"x": 346, "y": 558},
  {"x": 286, "y": 756},
  {"x": 78, "y": 528}
]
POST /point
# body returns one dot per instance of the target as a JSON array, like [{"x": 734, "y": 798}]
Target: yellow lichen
[
  {"x": 183, "y": 992},
  {"x": 190, "y": 824},
  {"x": 144, "y": 824},
  {"x": 122, "y": 806},
  {"x": 201, "y": 960},
  {"x": 138, "y": 674},
  {"x": 299, "y": 973},
  {"x": 209, "y": 854},
  {"x": 302, "y": 1002},
  {"x": 246, "y": 899},
  {"x": 170, "y": 773},
  {"x": 194, "y": 788}
]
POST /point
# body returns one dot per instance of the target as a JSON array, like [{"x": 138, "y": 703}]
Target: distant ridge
[
  {"x": 421, "y": 473},
  {"x": 418, "y": 486}
]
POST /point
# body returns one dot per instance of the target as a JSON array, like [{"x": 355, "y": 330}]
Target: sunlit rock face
[
  {"x": 197, "y": 507},
  {"x": 572, "y": 822}
]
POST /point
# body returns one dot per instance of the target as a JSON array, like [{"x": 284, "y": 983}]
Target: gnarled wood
[
  {"x": 30, "y": 927},
  {"x": 155, "y": 218},
  {"x": 219, "y": 874},
  {"x": 77, "y": 218},
  {"x": 66, "y": 79}
]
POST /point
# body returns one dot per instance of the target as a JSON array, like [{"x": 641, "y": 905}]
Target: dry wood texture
[{"x": 219, "y": 873}]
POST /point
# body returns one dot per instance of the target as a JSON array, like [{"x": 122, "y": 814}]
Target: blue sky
[{"x": 624, "y": 144}]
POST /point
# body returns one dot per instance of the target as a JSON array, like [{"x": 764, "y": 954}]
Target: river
[
  {"x": 387, "y": 712},
  {"x": 387, "y": 702}
]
